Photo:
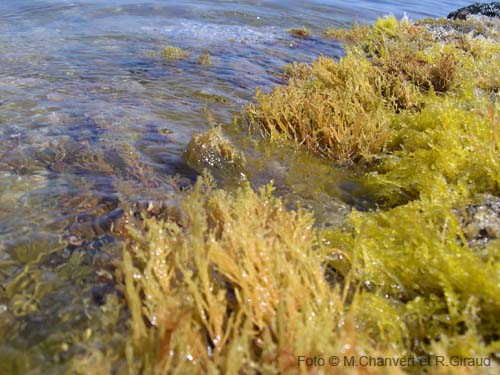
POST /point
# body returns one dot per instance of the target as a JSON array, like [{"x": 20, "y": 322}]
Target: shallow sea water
[{"x": 92, "y": 119}]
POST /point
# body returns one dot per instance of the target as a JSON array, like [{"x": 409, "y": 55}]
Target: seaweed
[
  {"x": 205, "y": 59},
  {"x": 174, "y": 53},
  {"x": 240, "y": 285},
  {"x": 343, "y": 110},
  {"x": 337, "y": 114}
]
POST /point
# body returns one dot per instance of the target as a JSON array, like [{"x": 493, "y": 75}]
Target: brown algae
[{"x": 301, "y": 32}]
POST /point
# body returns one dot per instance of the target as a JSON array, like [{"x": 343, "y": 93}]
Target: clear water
[{"x": 82, "y": 85}]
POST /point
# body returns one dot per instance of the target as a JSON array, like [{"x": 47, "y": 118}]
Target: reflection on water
[{"x": 93, "y": 122}]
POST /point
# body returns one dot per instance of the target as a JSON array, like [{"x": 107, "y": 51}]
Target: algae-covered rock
[
  {"x": 215, "y": 153},
  {"x": 489, "y": 10}
]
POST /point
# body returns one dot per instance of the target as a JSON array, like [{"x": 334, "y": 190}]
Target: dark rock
[
  {"x": 100, "y": 292},
  {"x": 489, "y": 10}
]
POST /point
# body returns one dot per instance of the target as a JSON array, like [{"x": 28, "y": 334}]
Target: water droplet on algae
[{"x": 154, "y": 320}]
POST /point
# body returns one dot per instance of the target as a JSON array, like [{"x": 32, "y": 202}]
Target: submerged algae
[
  {"x": 302, "y": 32},
  {"x": 205, "y": 59},
  {"x": 174, "y": 53}
]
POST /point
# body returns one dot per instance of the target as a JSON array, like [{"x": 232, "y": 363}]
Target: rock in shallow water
[
  {"x": 213, "y": 152},
  {"x": 489, "y": 10}
]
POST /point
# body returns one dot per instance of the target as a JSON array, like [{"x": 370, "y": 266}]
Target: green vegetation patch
[
  {"x": 205, "y": 59},
  {"x": 240, "y": 285},
  {"x": 335, "y": 110}
]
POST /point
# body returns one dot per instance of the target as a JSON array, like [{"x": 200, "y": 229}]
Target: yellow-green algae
[
  {"x": 239, "y": 287},
  {"x": 238, "y": 284},
  {"x": 205, "y": 59},
  {"x": 343, "y": 110},
  {"x": 242, "y": 285},
  {"x": 174, "y": 53}
]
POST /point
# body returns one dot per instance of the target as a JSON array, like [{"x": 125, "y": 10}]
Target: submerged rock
[
  {"x": 489, "y": 10},
  {"x": 214, "y": 152}
]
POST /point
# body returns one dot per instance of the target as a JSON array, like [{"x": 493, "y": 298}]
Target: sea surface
[{"x": 94, "y": 120}]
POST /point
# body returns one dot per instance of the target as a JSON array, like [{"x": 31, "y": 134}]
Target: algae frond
[
  {"x": 237, "y": 287},
  {"x": 241, "y": 285},
  {"x": 356, "y": 34},
  {"x": 335, "y": 111}
]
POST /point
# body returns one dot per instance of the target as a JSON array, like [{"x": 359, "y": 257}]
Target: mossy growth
[
  {"x": 416, "y": 254},
  {"x": 301, "y": 32},
  {"x": 355, "y": 34},
  {"x": 297, "y": 70},
  {"x": 455, "y": 140},
  {"x": 238, "y": 287},
  {"x": 174, "y": 53}
]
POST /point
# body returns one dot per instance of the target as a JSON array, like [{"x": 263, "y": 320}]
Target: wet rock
[
  {"x": 213, "y": 152},
  {"x": 489, "y": 10},
  {"x": 481, "y": 222}
]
